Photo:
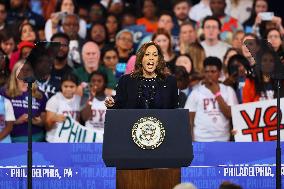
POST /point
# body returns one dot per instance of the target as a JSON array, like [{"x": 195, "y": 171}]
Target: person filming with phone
[
  {"x": 54, "y": 25},
  {"x": 265, "y": 21}
]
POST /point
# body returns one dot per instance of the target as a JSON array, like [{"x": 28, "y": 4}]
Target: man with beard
[
  {"x": 60, "y": 66},
  {"x": 70, "y": 26},
  {"x": 42, "y": 59},
  {"x": 181, "y": 10},
  {"x": 51, "y": 84}
]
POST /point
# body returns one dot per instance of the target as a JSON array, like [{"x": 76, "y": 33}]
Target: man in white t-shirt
[
  {"x": 210, "y": 104},
  {"x": 212, "y": 45}
]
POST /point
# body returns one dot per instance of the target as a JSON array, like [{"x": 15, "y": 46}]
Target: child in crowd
[
  {"x": 62, "y": 104},
  {"x": 93, "y": 114}
]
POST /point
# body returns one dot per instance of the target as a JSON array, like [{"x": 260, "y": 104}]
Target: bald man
[{"x": 91, "y": 58}]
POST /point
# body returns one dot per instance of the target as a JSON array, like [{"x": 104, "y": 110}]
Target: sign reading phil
[
  {"x": 72, "y": 131},
  {"x": 257, "y": 121}
]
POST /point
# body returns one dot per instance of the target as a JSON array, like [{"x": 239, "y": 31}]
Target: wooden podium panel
[{"x": 148, "y": 178}]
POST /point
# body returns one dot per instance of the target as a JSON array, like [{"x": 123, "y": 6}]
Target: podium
[{"x": 147, "y": 146}]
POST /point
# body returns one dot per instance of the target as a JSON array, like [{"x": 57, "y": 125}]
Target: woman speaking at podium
[{"x": 147, "y": 87}]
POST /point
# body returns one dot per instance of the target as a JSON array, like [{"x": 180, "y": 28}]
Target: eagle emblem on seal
[{"x": 148, "y": 133}]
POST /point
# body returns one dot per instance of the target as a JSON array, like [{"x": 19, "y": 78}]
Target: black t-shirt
[
  {"x": 48, "y": 87},
  {"x": 56, "y": 75}
]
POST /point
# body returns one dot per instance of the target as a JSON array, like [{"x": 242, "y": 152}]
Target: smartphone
[
  {"x": 61, "y": 15},
  {"x": 266, "y": 16}
]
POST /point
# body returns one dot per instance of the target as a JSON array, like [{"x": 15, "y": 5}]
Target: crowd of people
[{"x": 203, "y": 47}]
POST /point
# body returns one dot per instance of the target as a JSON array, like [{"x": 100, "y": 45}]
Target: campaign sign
[
  {"x": 257, "y": 121},
  {"x": 71, "y": 131}
]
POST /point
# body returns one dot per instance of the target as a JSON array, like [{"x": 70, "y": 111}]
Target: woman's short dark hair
[
  {"x": 213, "y": 61},
  {"x": 138, "y": 69},
  {"x": 69, "y": 76}
]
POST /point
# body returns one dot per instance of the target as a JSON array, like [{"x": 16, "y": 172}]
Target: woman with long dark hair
[
  {"x": 147, "y": 87},
  {"x": 262, "y": 86},
  {"x": 257, "y": 7}
]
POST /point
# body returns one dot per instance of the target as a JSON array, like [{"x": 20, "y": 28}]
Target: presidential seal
[{"x": 148, "y": 133}]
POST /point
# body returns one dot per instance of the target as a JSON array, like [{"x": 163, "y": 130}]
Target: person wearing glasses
[
  {"x": 60, "y": 66},
  {"x": 212, "y": 44},
  {"x": 124, "y": 46}
]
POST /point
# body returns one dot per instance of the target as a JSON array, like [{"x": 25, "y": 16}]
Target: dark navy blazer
[{"x": 127, "y": 93}]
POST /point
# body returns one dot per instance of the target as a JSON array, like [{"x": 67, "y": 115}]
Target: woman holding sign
[
  {"x": 147, "y": 87},
  {"x": 62, "y": 104}
]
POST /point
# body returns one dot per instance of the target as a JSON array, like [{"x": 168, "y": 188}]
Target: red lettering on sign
[
  {"x": 269, "y": 119},
  {"x": 253, "y": 128}
]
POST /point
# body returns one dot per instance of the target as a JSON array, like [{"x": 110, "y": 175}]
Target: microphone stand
[
  {"x": 278, "y": 148},
  {"x": 30, "y": 81}
]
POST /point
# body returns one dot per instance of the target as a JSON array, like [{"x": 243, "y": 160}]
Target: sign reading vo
[{"x": 257, "y": 121}]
